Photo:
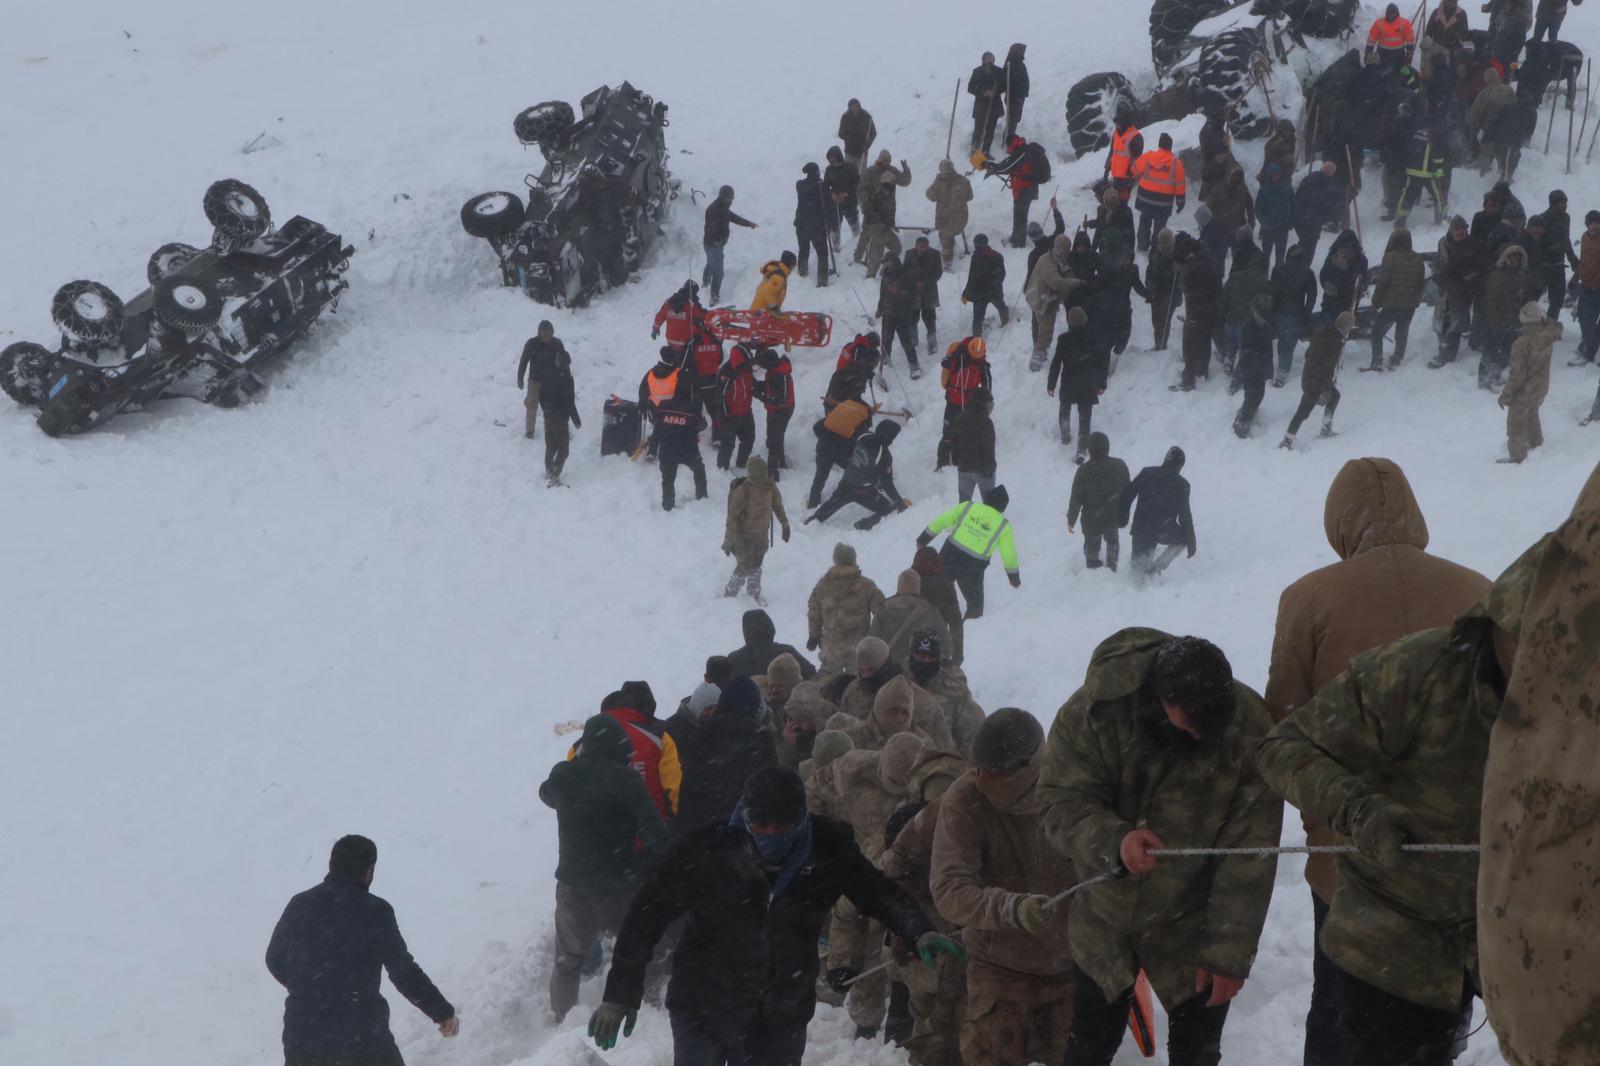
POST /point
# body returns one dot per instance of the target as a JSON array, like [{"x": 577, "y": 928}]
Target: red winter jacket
[
  {"x": 738, "y": 383},
  {"x": 777, "y": 389},
  {"x": 963, "y": 374},
  {"x": 851, "y": 353},
  {"x": 681, "y": 321},
  {"x": 707, "y": 355},
  {"x": 654, "y": 758}
]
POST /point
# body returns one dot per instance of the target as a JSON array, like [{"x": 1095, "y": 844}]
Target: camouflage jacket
[
  {"x": 1105, "y": 774},
  {"x": 1408, "y": 722},
  {"x": 949, "y": 686}
]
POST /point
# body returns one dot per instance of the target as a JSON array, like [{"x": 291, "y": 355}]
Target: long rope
[{"x": 1306, "y": 849}]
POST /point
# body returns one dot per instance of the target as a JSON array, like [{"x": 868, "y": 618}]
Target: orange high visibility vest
[
  {"x": 1160, "y": 172},
  {"x": 1121, "y": 157},
  {"x": 663, "y": 389},
  {"x": 1391, "y": 35}
]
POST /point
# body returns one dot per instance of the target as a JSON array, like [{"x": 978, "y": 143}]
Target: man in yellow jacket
[
  {"x": 980, "y": 530},
  {"x": 774, "y": 284}
]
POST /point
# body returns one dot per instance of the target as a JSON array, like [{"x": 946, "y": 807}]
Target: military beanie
[
  {"x": 844, "y": 555},
  {"x": 909, "y": 583},
  {"x": 830, "y": 744},
  {"x": 900, "y": 754},
  {"x": 871, "y": 652},
  {"x": 784, "y": 670},
  {"x": 1007, "y": 740}
]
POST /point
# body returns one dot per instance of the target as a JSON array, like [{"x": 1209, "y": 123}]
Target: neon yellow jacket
[{"x": 980, "y": 531}]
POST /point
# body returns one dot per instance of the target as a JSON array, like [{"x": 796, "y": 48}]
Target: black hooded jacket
[
  {"x": 1294, "y": 286},
  {"x": 727, "y": 748},
  {"x": 748, "y": 958},
  {"x": 760, "y": 648},
  {"x": 328, "y": 950},
  {"x": 1340, "y": 284},
  {"x": 1163, "y": 514},
  {"x": 602, "y": 812},
  {"x": 814, "y": 210}
]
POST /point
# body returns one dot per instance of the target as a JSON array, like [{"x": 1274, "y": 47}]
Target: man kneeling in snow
[{"x": 756, "y": 891}]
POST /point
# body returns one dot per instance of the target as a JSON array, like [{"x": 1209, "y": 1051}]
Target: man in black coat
[
  {"x": 986, "y": 284},
  {"x": 868, "y": 480},
  {"x": 1080, "y": 367},
  {"x": 756, "y": 889},
  {"x": 1162, "y": 518},
  {"x": 761, "y": 647},
  {"x": 719, "y": 216},
  {"x": 731, "y": 743},
  {"x": 1015, "y": 77},
  {"x": 987, "y": 86},
  {"x": 815, "y": 216},
  {"x": 1319, "y": 201},
  {"x": 1201, "y": 277},
  {"x": 609, "y": 836},
  {"x": 539, "y": 357},
  {"x": 678, "y": 425},
  {"x": 328, "y": 950},
  {"x": 843, "y": 182}
]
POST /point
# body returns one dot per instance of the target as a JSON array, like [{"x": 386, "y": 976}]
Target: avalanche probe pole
[
  {"x": 949, "y": 137},
  {"x": 1551, "y": 125},
  {"x": 1571, "y": 116},
  {"x": 1583, "y": 127},
  {"x": 1355, "y": 199}
]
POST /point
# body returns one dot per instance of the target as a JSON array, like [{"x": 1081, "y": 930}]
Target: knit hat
[
  {"x": 740, "y": 696},
  {"x": 997, "y": 497},
  {"x": 1536, "y": 220},
  {"x": 784, "y": 671},
  {"x": 1557, "y": 197},
  {"x": 946, "y": 167},
  {"x": 1202, "y": 214},
  {"x": 909, "y": 583},
  {"x": 843, "y": 555},
  {"x": 1591, "y": 218},
  {"x": 756, "y": 470},
  {"x": 811, "y": 169},
  {"x": 896, "y": 694},
  {"x": 1007, "y": 740},
  {"x": 927, "y": 562},
  {"x": 1458, "y": 222},
  {"x": 1035, "y": 231},
  {"x": 774, "y": 796},
  {"x": 1164, "y": 240},
  {"x": 1194, "y": 674},
  {"x": 1077, "y": 318},
  {"x": 899, "y": 756},
  {"x": 703, "y": 698},
  {"x": 871, "y": 653},
  {"x": 925, "y": 644},
  {"x": 806, "y": 705},
  {"x": 830, "y": 744},
  {"x": 1531, "y": 315},
  {"x": 981, "y": 240}
]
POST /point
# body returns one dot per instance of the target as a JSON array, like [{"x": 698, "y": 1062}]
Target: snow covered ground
[{"x": 354, "y": 606}]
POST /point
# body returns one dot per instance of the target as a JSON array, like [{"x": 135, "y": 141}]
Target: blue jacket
[
  {"x": 1275, "y": 205},
  {"x": 328, "y": 950}
]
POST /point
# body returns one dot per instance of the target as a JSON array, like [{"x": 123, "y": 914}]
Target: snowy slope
[{"x": 355, "y": 607}]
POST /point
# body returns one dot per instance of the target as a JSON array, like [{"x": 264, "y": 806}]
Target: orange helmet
[{"x": 977, "y": 347}]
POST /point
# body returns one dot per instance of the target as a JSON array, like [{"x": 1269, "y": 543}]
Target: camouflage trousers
[
  {"x": 938, "y": 1002},
  {"x": 868, "y": 1001},
  {"x": 877, "y": 239},
  {"x": 748, "y": 554},
  {"x": 1523, "y": 431},
  {"x": 1013, "y": 1019}
]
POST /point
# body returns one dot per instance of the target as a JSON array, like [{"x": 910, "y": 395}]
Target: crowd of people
[{"x": 980, "y": 888}]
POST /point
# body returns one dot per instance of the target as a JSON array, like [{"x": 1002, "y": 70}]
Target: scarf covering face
[{"x": 788, "y": 850}]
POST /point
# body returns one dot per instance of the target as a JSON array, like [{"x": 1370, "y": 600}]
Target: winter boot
[
  {"x": 1287, "y": 443},
  {"x": 933, "y": 340},
  {"x": 1280, "y": 379},
  {"x": 754, "y": 583},
  {"x": 1241, "y": 428},
  {"x": 916, "y": 372},
  {"x": 1082, "y": 455},
  {"x": 1093, "y": 562},
  {"x": 897, "y": 1026},
  {"x": 1327, "y": 426},
  {"x": 732, "y": 587},
  {"x": 866, "y": 1032}
]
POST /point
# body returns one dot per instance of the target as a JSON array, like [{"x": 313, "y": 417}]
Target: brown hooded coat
[
  {"x": 839, "y": 613},
  {"x": 1385, "y": 587},
  {"x": 897, "y": 621},
  {"x": 1538, "y": 893},
  {"x": 857, "y": 715}
]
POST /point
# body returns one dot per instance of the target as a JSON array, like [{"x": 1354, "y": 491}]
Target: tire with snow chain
[
  {"x": 168, "y": 260},
  {"x": 492, "y": 214},
  {"x": 1092, "y": 105},
  {"x": 1171, "y": 22},
  {"x": 544, "y": 123},
  {"x": 25, "y": 369},
  {"x": 188, "y": 304},
  {"x": 1225, "y": 76},
  {"x": 87, "y": 313},
  {"x": 237, "y": 210}
]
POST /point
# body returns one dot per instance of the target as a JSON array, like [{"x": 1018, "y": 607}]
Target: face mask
[
  {"x": 924, "y": 670},
  {"x": 774, "y": 848}
]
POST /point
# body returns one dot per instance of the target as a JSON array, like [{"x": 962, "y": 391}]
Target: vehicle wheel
[
  {"x": 1091, "y": 106},
  {"x": 493, "y": 214},
  {"x": 1171, "y": 22},
  {"x": 25, "y": 372},
  {"x": 237, "y": 210},
  {"x": 544, "y": 123},
  {"x": 168, "y": 260},
  {"x": 1224, "y": 74},
  {"x": 87, "y": 313},
  {"x": 188, "y": 304}
]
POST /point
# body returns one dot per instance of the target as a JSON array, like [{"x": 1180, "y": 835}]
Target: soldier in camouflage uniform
[
  {"x": 903, "y": 614},
  {"x": 1538, "y": 897},
  {"x": 753, "y": 501},
  {"x": 1157, "y": 749},
  {"x": 946, "y": 682},
  {"x": 839, "y": 611},
  {"x": 1391, "y": 753},
  {"x": 822, "y": 793},
  {"x": 875, "y": 671}
]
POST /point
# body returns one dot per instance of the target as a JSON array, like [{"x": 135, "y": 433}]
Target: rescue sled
[{"x": 799, "y": 329}]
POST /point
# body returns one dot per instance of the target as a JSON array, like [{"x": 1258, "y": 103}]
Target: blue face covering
[
  {"x": 789, "y": 850},
  {"x": 774, "y": 848}
]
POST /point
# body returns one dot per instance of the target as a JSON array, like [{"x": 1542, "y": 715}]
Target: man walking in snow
[
  {"x": 857, "y": 131},
  {"x": 1096, "y": 500},
  {"x": 558, "y": 398},
  {"x": 719, "y": 216},
  {"x": 1162, "y": 518},
  {"x": 538, "y": 359},
  {"x": 1528, "y": 382},
  {"x": 1318, "y": 375},
  {"x": 753, "y": 501},
  {"x": 839, "y": 611},
  {"x": 978, "y": 531},
  {"x": 329, "y": 950},
  {"x": 756, "y": 890},
  {"x": 1157, "y": 750}
]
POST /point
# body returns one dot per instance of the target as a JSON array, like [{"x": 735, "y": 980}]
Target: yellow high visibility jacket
[{"x": 980, "y": 531}]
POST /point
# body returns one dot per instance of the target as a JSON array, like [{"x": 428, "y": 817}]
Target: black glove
[
  {"x": 1015, "y": 579},
  {"x": 812, "y": 643},
  {"x": 839, "y": 978},
  {"x": 924, "y": 539}
]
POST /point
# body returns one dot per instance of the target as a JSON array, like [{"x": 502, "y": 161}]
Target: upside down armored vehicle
[
  {"x": 211, "y": 321},
  {"x": 594, "y": 211}
]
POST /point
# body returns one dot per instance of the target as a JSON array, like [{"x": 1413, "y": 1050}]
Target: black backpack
[{"x": 1040, "y": 160}]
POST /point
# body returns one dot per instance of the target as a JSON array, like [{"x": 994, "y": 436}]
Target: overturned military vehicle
[
  {"x": 594, "y": 211},
  {"x": 211, "y": 321}
]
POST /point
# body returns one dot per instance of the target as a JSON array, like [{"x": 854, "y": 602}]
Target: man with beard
[{"x": 1157, "y": 750}]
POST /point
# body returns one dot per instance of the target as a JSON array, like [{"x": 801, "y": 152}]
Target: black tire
[
  {"x": 1092, "y": 105},
  {"x": 1224, "y": 77},
  {"x": 192, "y": 305},
  {"x": 168, "y": 260},
  {"x": 1171, "y": 22},
  {"x": 237, "y": 210},
  {"x": 544, "y": 123},
  {"x": 87, "y": 313},
  {"x": 25, "y": 372},
  {"x": 492, "y": 214}
]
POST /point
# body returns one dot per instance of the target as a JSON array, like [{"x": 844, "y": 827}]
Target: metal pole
[
  {"x": 1355, "y": 200},
  {"x": 949, "y": 137},
  {"x": 1551, "y": 125},
  {"x": 1583, "y": 127}
]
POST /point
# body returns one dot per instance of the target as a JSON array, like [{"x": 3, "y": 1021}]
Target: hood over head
[
  {"x": 1099, "y": 445},
  {"x": 740, "y": 697},
  {"x": 1370, "y": 505},
  {"x": 1061, "y": 247},
  {"x": 896, "y": 694},
  {"x": 756, "y": 470},
  {"x": 604, "y": 738},
  {"x": 887, "y": 431},
  {"x": 871, "y": 652},
  {"x": 900, "y": 754},
  {"x": 1532, "y": 314},
  {"x": 1514, "y": 256},
  {"x": 843, "y": 555},
  {"x": 758, "y": 627},
  {"x": 1164, "y": 240},
  {"x": 783, "y": 671},
  {"x": 927, "y": 562},
  {"x": 806, "y": 705},
  {"x": 946, "y": 167},
  {"x": 1174, "y": 459},
  {"x": 830, "y": 744},
  {"x": 1399, "y": 240},
  {"x": 909, "y": 583}
]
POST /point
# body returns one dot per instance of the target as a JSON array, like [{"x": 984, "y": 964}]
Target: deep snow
[{"x": 354, "y": 606}]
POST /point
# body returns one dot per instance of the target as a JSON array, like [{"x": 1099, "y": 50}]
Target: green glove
[
  {"x": 1379, "y": 826},
  {"x": 931, "y": 944},
  {"x": 607, "y": 1019},
  {"x": 1033, "y": 913}
]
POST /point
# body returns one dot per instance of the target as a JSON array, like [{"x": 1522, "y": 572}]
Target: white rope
[{"x": 1306, "y": 849}]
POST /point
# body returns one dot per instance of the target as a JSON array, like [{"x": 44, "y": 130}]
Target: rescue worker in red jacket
[
  {"x": 706, "y": 359},
  {"x": 963, "y": 371},
  {"x": 654, "y": 755},
  {"x": 736, "y": 382},
  {"x": 1026, "y": 167},
  {"x": 1163, "y": 187},
  {"x": 682, "y": 315},
  {"x": 1391, "y": 39},
  {"x": 1127, "y": 145},
  {"x": 776, "y": 392}
]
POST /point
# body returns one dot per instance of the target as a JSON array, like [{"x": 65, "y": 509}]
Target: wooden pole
[
  {"x": 950, "y": 137},
  {"x": 1551, "y": 125},
  {"x": 1587, "y": 156},
  {"x": 1355, "y": 202},
  {"x": 1571, "y": 116},
  {"x": 1588, "y": 92}
]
